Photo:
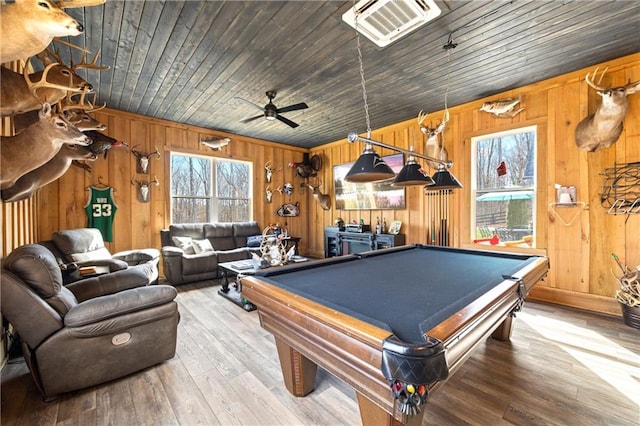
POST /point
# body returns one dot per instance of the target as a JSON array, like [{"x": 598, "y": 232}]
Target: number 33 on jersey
[{"x": 101, "y": 210}]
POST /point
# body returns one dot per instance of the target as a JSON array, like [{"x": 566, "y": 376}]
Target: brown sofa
[
  {"x": 72, "y": 340},
  {"x": 191, "y": 251}
]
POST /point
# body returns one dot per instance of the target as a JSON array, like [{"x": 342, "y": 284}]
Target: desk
[{"x": 349, "y": 313}]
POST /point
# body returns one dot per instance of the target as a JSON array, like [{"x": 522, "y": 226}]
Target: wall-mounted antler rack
[{"x": 621, "y": 189}]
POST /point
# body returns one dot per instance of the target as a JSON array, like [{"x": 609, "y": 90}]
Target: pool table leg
[
  {"x": 371, "y": 414},
  {"x": 503, "y": 332},
  {"x": 298, "y": 371}
]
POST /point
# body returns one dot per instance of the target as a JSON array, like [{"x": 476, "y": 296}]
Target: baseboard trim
[{"x": 589, "y": 302}]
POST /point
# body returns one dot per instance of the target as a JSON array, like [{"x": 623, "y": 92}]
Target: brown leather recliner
[
  {"x": 85, "y": 246},
  {"x": 70, "y": 343}
]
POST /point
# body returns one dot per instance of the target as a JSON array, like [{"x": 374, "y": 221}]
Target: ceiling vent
[{"x": 385, "y": 21}]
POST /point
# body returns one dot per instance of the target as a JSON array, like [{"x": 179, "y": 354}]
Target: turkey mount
[
  {"x": 271, "y": 112},
  {"x": 308, "y": 167}
]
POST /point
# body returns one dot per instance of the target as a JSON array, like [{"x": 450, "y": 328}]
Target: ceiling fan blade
[
  {"x": 287, "y": 121},
  {"x": 294, "y": 107},
  {"x": 252, "y": 118},
  {"x": 261, "y": 108}
]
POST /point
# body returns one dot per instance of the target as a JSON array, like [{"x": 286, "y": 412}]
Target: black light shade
[
  {"x": 412, "y": 174},
  {"x": 444, "y": 180},
  {"x": 369, "y": 168}
]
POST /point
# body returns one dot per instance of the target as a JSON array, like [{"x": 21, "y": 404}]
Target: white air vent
[{"x": 385, "y": 21}]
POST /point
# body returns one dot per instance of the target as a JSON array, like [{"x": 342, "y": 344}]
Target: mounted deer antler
[
  {"x": 28, "y": 184},
  {"x": 28, "y": 26},
  {"x": 67, "y": 103},
  {"x": 36, "y": 145},
  {"x": 324, "y": 200},
  {"x": 269, "y": 170},
  {"x": 21, "y": 94},
  {"x": 434, "y": 147},
  {"x": 143, "y": 188},
  {"x": 142, "y": 165},
  {"x": 603, "y": 128}
]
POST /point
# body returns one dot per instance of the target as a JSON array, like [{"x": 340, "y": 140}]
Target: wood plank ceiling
[{"x": 189, "y": 61}]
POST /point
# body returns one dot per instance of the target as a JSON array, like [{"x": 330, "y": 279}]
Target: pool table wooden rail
[{"x": 308, "y": 334}]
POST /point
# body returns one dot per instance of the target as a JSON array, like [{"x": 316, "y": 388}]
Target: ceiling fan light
[{"x": 369, "y": 167}]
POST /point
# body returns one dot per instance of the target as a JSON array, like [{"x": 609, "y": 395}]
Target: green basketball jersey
[{"x": 101, "y": 210}]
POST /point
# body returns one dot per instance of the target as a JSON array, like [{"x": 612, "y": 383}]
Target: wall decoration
[
  {"x": 28, "y": 27},
  {"x": 216, "y": 144},
  {"x": 603, "y": 128},
  {"x": 503, "y": 108},
  {"x": 101, "y": 208},
  {"x": 308, "y": 167},
  {"x": 433, "y": 142},
  {"x": 36, "y": 145},
  {"x": 142, "y": 163},
  {"x": 368, "y": 196},
  {"x": 324, "y": 200},
  {"x": 289, "y": 210},
  {"x": 269, "y": 170},
  {"x": 268, "y": 195},
  {"x": 143, "y": 188}
]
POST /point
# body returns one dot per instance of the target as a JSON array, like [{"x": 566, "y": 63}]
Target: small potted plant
[{"x": 629, "y": 296}]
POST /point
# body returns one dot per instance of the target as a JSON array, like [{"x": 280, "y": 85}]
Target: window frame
[
  {"x": 212, "y": 198},
  {"x": 475, "y": 192}
]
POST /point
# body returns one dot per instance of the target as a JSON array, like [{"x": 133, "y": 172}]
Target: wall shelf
[{"x": 580, "y": 204}]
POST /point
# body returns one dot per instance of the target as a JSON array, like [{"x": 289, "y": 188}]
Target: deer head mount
[
  {"x": 56, "y": 82},
  {"x": 29, "y": 26},
  {"x": 324, "y": 200},
  {"x": 27, "y": 92},
  {"x": 142, "y": 165},
  {"x": 434, "y": 146},
  {"x": 603, "y": 128},
  {"x": 36, "y": 145},
  {"x": 31, "y": 182},
  {"x": 143, "y": 188}
]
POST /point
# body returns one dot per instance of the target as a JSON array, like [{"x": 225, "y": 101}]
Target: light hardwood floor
[{"x": 562, "y": 367}]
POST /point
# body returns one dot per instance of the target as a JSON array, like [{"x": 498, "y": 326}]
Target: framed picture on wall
[{"x": 368, "y": 196}]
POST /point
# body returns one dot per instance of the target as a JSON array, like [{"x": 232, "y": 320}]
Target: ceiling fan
[{"x": 271, "y": 112}]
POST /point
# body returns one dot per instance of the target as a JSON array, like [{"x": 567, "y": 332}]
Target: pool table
[{"x": 392, "y": 323}]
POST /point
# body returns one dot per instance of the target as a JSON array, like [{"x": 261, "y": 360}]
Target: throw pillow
[
  {"x": 201, "y": 246},
  {"x": 185, "y": 243}
]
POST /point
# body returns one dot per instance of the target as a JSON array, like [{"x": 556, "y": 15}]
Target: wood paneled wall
[
  {"x": 137, "y": 224},
  {"x": 580, "y": 254}
]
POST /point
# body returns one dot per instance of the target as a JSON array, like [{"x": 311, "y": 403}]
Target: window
[
  {"x": 504, "y": 182},
  {"x": 206, "y": 189}
]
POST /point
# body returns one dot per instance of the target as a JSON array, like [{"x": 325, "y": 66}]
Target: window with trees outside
[
  {"x": 503, "y": 192},
  {"x": 208, "y": 189}
]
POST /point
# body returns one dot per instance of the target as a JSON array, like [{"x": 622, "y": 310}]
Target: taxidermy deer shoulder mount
[
  {"x": 603, "y": 128},
  {"x": 434, "y": 147},
  {"x": 324, "y": 200}
]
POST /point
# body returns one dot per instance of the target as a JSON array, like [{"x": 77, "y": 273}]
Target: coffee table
[{"x": 239, "y": 269}]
